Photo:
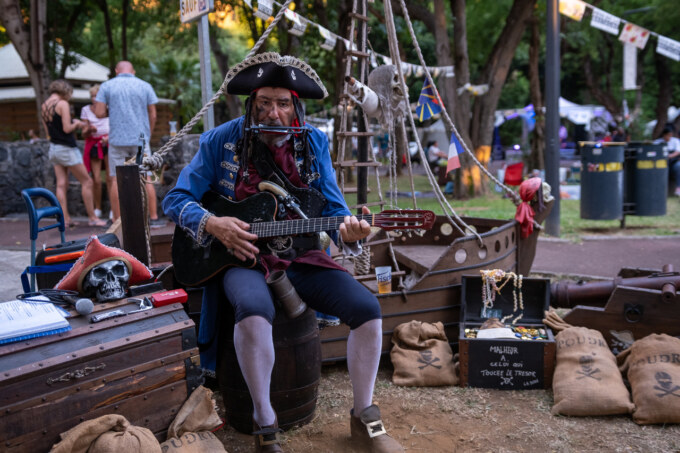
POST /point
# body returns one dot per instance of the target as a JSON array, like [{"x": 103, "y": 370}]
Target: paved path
[
  {"x": 604, "y": 256},
  {"x": 600, "y": 257}
]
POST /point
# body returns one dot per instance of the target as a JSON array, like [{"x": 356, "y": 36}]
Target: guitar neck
[{"x": 301, "y": 226}]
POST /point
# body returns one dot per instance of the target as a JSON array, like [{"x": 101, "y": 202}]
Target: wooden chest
[
  {"x": 501, "y": 363},
  {"x": 142, "y": 366}
]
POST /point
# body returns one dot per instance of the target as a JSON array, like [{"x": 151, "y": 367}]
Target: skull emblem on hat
[
  {"x": 107, "y": 281},
  {"x": 104, "y": 272}
]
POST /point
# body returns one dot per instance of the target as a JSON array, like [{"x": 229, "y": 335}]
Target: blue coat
[{"x": 215, "y": 167}]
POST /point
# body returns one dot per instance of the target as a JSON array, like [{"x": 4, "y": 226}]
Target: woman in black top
[{"x": 64, "y": 154}]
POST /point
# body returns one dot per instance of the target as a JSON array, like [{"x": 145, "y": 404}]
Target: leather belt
[{"x": 301, "y": 244}]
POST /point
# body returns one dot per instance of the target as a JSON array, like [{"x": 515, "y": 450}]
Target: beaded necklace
[{"x": 490, "y": 280}]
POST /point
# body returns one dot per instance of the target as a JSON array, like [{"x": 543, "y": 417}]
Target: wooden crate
[
  {"x": 142, "y": 366},
  {"x": 512, "y": 364}
]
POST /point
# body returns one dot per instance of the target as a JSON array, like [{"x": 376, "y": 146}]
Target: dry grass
[{"x": 454, "y": 419}]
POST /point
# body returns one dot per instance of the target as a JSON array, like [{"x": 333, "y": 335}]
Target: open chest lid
[{"x": 534, "y": 295}]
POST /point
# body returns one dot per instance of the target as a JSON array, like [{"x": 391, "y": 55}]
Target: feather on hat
[{"x": 273, "y": 70}]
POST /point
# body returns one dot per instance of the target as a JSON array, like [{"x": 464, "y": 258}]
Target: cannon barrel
[{"x": 568, "y": 294}]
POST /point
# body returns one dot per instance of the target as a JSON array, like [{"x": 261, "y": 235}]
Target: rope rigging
[{"x": 154, "y": 162}]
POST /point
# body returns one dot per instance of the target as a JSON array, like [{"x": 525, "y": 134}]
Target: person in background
[
  {"x": 96, "y": 135},
  {"x": 564, "y": 134},
  {"x": 434, "y": 154},
  {"x": 131, "y": 104},
  {"x": 620, "y": 135},
  {"x": 673, "y": 146},
  {"x": 32, "y": 136},
  {"x": 64, "y": 154}
]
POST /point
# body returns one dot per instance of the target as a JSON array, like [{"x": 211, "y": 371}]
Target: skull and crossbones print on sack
[
  {"x": 652, "y": 365},
  {"x": 587, "y": 380},
  {"x": 104, "y": 272},
  {"x": 421, "y": 355}
]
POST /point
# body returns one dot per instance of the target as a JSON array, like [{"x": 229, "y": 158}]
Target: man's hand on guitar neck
[
  {"x": 353, "y": 229},
  {"x": 233, "y": 233}
]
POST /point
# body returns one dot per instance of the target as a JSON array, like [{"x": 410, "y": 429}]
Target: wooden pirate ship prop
[{"x": 427, "y": 265}]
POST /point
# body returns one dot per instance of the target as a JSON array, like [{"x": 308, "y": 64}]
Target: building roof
[
  {"x": 13, "y": 73},
  {"x": 12, "y": 69},
  {"x": 27, "y": 93}
]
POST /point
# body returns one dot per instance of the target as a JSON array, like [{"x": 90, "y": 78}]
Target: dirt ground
[{"x": 455, "y": 419}]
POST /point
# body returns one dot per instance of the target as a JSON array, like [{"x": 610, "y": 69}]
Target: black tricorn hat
[{"x": 273, "y": 70}]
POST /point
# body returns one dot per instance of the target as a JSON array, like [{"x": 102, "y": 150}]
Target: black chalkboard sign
[{"x": 506, "y": 364}]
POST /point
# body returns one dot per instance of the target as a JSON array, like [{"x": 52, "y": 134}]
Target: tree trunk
[
  {"x": 536, "y": 158},
  {"x": 29, "y": 44},
  {"x": 109, "y": 37},
  {"x": 462, "y": 76},
  {"x": 123, "y": 30},
  {"x": 65, "y": 60},
  {"x": 233, "y": 103},
  {"x": 494, "y": 74},
  {"x": 663, "y": 100}
]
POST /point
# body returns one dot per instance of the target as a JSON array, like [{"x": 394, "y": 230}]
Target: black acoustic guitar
[{"x": 194, "y": 265}]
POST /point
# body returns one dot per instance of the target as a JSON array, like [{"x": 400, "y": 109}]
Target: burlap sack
[
  {"x": 107, "y": 434},
  {"x": 652, "y": 365},
  {"x": 421, "y": 355},
  {"x": 190, "y": 432},
  {"x": 587, "y": 380}
]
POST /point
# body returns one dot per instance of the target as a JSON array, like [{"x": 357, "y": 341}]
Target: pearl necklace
[{"x": 490, "y": 288}]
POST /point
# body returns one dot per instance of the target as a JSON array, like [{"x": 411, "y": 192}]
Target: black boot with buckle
[
  {"x": 267, "y": 438},
  {"x": 368, "y": 432}
]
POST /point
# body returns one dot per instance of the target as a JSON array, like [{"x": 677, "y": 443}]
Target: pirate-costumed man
[{"x": 232, "y": 160}]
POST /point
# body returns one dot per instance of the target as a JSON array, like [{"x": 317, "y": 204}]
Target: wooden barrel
[{"x": 295, "y": 378}]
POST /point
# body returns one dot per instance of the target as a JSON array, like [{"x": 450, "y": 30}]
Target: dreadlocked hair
[
  {"x": 305, "y": 151},
  {"x": 244, "y": 144}
]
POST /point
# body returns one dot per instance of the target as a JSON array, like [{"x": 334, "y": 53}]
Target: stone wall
[{"x": 24, "y": 165}]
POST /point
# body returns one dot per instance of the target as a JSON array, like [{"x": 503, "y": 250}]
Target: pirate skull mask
[{"x": 107, "y": 281}]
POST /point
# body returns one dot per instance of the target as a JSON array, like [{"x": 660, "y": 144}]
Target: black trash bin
[
  {"x": 646, "y": 179},
  {"x": 602, "y": 181}
]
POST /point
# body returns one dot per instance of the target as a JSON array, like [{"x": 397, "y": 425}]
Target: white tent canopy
[
  {"x": 577, "y": 114},
  {"x": 13, "y": 68}
]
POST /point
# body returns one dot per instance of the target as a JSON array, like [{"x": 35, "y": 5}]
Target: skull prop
[
  {"x": 107, "y": 281},
  {"x": 384, "y": 80}
]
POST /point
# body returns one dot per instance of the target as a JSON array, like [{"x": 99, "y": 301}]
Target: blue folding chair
[{"x": 35, "y": 215}]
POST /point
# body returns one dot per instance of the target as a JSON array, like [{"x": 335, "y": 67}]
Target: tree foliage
[{"x": 485, "y": 39}]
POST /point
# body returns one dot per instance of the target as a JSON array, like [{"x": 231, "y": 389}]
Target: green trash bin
[
  {"x": 646, "y": 179},
  {"x": 601, "y": 181}
]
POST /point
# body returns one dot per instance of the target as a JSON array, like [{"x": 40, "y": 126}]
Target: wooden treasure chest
[
  {"x": 515, "y": 358},
  {"x": 141, "y": 365}
]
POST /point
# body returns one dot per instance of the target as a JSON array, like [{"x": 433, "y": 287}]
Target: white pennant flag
[
  {"x": 573, "y": 9},
  {"x": 264, "y": 9},
  {"x": 635, "y": 35},
  {"x": 330, "y": 38},
  {"x": 629, "y": 66},
  {"x": 249, "y": 3},
  {"x": 299, "y": 23},
  {"x": 668, "y": 48},
  {"x": 605, "y": 21}
]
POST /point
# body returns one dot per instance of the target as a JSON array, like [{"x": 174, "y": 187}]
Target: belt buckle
[{"x": 375, "y": 428}]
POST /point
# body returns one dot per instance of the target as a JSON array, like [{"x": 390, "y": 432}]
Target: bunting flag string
[
  {"x": 300, "y": 24},
  {"x": 631, "y": 34}
]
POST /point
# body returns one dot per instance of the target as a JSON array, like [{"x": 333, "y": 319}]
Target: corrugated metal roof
[{"x": 12, "y": 68}]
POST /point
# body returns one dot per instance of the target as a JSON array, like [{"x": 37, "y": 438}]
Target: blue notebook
[{"x": 25, "y": 319}]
